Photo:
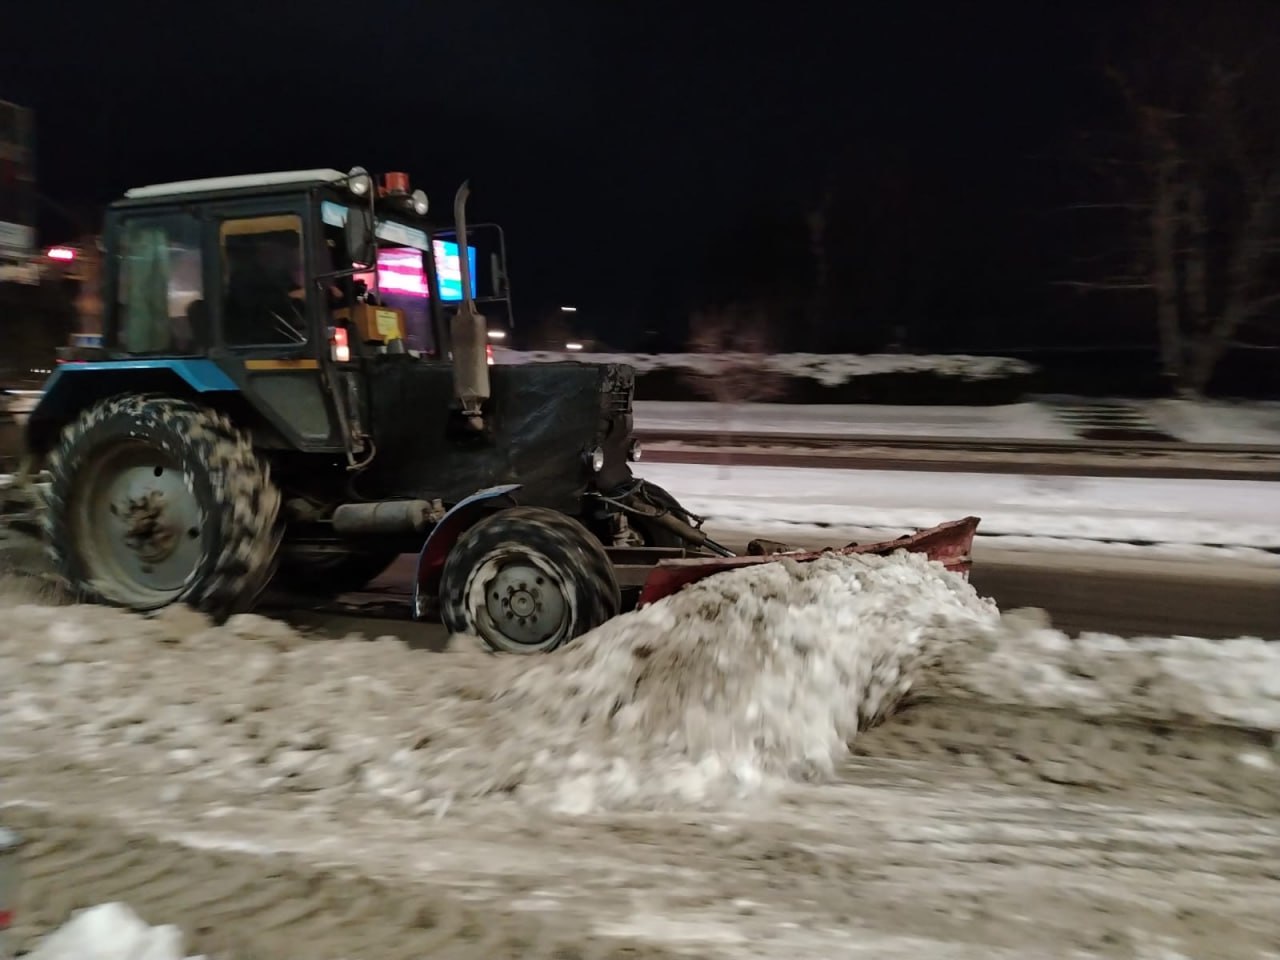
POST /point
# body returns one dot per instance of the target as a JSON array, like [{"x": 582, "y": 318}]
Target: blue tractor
[{"x": 293, "y": 388}]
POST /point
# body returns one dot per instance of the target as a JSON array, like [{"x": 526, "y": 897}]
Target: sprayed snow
[
  {"x": 729, "y": 689},
  {"x": 829, "y": 369},
  {"x": 111, "y": 931}
]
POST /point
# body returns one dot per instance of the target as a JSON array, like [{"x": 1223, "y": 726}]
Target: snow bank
[
  {"x": 1046, "y": 418},
  {"x": 110, "y": 931},
  {"x": 1025, "y": 662},
  {"x": 827, "y": 368},
  {"x": 1217, "y": 421},
  {"x": 1018, "y": 421},
  {"x": 733, "y": 687}
]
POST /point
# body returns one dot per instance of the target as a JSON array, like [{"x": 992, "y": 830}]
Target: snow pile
[
  {"x": 1025, "y": 662},
  {"x": 829, "y": 369},
  {"x": 110, "y": 931},
  {"x": 764, "y": 674},
  {"x": 746, "y": 679}
]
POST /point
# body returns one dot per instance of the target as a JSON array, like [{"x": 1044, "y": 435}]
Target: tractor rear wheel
[
  {"x": 154, "y": 501},
  {"x": 527, "y": 580},
  {"x": 329, "y": 572}
]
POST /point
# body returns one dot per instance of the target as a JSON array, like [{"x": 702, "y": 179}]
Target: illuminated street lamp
[
  {"x": 62, "y": 254},
  {"x": 568, "y": 309}
]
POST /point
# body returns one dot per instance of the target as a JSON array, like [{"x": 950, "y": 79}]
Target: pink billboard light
[{"x": 399, "y": 271}]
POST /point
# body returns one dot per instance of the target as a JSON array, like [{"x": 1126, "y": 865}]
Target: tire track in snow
[{"x": 238, "y": 905}]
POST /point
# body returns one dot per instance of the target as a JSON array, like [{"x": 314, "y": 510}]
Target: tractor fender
[
  {"x": 442, "y": 538},
  {"x": 76, "y": 386}
]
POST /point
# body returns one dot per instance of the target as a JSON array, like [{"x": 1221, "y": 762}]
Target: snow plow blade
[{"x": 950, "y": 544}]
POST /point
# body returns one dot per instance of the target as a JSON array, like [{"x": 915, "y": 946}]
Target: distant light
[
  {"x": 568, "y": 309},
  {"x": 65, "y": 254},
  {"x": 573, "y": 346},
  {"x": 497, "y": 334}
]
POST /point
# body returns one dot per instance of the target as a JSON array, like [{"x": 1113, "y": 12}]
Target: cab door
[{"x": 270, "y": 323}]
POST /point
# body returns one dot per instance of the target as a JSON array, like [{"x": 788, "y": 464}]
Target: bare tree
[
  {"x": 733, "y": 345},
  {"x": 1200, "y": 175}
]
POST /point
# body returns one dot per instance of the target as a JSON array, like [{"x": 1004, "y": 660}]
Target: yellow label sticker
[{"x": 388, "y": 324}]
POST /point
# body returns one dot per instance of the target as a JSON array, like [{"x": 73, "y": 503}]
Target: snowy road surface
[
  {"x": 1209, "y": 422},
  {"x": 677, "y": 784},
  {"x": 1186, "y": 514}
]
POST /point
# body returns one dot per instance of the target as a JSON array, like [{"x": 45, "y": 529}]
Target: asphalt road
[{"x": 1081, "y": 592}]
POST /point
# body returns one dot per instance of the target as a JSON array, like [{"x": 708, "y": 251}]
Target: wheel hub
[
  {"x": 148, "y": 532},
  {"x": 524, "y": 604}
]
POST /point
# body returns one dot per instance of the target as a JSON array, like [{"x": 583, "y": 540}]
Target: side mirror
[
  {"x": 497, "y": 269},
  {"x": 361, "y": 247}
]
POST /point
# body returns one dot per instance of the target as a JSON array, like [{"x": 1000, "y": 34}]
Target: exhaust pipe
[{"x": 468, "y": 332}]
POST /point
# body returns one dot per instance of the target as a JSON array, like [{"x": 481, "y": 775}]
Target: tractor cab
[
  {"x": 287, "y": 285},
  {"x": 270, "y": 264}
]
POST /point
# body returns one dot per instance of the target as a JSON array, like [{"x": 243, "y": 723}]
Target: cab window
[
  {"x": 160, "y": 293},
  {"x": 263, "y": 281}
]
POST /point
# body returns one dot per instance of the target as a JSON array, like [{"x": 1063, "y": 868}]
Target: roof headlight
[{"x": 359, "y": 182}]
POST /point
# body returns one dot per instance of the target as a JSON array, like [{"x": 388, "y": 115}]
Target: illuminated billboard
[
  {"x": 399, "y": 267},
  {"x": 400, "y": 271},
  {"x": 449, "y": 269}
]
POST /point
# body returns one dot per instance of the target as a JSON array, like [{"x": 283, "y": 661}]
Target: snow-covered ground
[
  {"x": 689, "y": 762},
  {"x": 734, "y": 687},
  {"x": 1211, "y": 422},
  {"x": 824, "y": 503}
]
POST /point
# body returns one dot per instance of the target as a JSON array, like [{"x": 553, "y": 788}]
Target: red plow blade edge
[{"x": 950, "y": 544}]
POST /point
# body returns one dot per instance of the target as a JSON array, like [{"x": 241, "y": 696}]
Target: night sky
[{"x": 644, "y": 158}]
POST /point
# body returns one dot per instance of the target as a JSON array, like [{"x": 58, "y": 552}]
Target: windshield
[{"x": 398, "y": 278}]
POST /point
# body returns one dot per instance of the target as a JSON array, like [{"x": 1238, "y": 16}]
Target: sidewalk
[{"x": 1047, "y": 418}]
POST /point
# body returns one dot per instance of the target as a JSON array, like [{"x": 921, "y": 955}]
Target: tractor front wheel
[
  {"x": 527, "y": 580},
  {"x": 154, "y": 501}
]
